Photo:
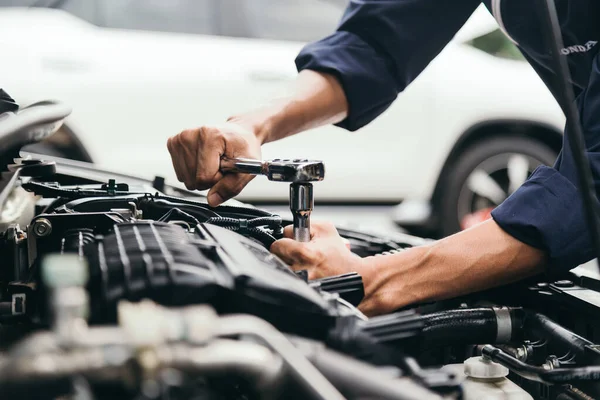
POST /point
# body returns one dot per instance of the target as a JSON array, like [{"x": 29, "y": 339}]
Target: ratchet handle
[
  {"x": 242, "y": 166},
  {"x": 278, "y": 170}
]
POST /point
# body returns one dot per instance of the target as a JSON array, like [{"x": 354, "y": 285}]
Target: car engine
[{"x": 113, "y": 287}]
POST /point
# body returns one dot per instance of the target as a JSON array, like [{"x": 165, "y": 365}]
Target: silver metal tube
[
  {"x": 250, "y": 360},
  {"x": 99, "y": 364},
  {"x": 110, "y": 363},
  {"x": 303, "y": 371},
  {"x": 44, "y": 342}
]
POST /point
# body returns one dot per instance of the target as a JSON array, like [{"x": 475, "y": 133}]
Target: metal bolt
[
  {"x": 522, "y": 353},
  {"x": 42, "y": 227}
]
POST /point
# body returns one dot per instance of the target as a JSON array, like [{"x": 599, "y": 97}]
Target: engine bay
[{"x": 115, "y": 287}]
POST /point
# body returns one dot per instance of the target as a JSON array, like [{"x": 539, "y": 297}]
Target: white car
[{"x": 461, "y": 138}]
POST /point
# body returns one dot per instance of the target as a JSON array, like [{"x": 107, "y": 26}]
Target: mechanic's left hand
[{"x": 325, "y": 255}]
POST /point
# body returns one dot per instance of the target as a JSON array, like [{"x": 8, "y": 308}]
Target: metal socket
[
  {"x": 301, "y": 197},
  {"x": 301, "y": 205}
]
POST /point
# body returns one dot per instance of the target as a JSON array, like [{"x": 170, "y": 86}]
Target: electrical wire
[
  {"x": 176, "y": 212},
  {"x": 558, "y": 376},
  {"x": 271, "y": 222},
  {"x": 254, "y": 228}
]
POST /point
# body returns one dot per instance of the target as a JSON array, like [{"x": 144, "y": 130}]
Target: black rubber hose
[
  {"x": 466, "y": 326},
  {"x": 559, "y": 376},
  {"x": 544, "y": 327},
  {"x": 480, "y": 326}
]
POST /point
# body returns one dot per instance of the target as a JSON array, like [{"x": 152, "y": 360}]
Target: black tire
[{"x": 483, "y": 155}]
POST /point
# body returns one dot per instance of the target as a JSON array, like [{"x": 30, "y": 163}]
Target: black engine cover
[{"x": 213, "y": 265}]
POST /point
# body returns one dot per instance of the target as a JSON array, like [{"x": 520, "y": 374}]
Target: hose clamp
[{"x": 504, "y": 324}]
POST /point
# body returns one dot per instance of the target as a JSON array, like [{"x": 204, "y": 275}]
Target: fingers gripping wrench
[{"x": 300, "y": 174}]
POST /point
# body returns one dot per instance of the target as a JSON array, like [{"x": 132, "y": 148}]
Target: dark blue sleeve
[
  {"x": 547, "y": 211},
  {"x": 381, "y": 46}
]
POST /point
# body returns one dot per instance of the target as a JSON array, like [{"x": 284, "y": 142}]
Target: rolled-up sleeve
[
  {"x": 381, "y": 46},
  {"x": 547, "y": 211}
]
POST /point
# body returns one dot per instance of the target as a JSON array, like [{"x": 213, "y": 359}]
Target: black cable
[
  {"x": 544, "y": 327},
  {"x": 149, "y": 205},
  {"x": 252, "y": 227},
  {"x": 538, "y": 374},
  {"x": 179, "y": 213},
  {"x": 223, "y": 210},
  {"x": 553, "y": 36},
  {"x": 264, "y": 237},
  {"x": 274, "y": 221},
  {"x": 271, "y": 222}
]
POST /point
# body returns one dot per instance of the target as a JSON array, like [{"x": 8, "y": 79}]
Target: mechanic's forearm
[
  {"x": 476, "y": 259},
  {"x": 316, "y": 99}
]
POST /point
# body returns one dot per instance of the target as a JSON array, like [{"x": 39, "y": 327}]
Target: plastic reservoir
[{"x": 486, "y": 380}]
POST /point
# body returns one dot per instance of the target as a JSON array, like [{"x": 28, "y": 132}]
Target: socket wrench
[{"x": 299, "y": 173}]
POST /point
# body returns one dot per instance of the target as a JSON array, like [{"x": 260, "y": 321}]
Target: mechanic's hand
[
  {"x": 326, "y": 254},
  {"x": 196, "y": 155}
]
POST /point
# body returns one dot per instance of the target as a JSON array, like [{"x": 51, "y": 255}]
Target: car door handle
[
  {"x": 269, "y": 76},
  {"x": 65, "y": 65}
]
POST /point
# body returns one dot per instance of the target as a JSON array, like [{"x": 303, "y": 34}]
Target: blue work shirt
[{"x": 381, "y": 46}]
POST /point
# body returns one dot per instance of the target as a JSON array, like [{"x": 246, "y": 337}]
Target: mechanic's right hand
[{"x": 196, "y": 155}]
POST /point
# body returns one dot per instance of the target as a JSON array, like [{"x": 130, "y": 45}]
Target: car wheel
[{"x": 485, "y": 174}]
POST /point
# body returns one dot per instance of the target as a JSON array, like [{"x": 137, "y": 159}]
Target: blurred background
[{"x": 454, "y": 145}]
